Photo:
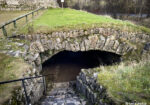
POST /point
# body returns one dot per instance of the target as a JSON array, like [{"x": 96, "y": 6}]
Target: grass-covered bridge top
[{"x": 66, "y": 19}]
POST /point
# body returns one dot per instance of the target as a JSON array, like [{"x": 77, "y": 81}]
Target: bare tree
[
  {"x": 141, "y": 8},
  {"x": 103, "y": 4},
  {"x": 81, "y": 4}
]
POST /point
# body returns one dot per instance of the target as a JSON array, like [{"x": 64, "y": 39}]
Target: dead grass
[
  {"x": 145, "y": 22},
  {"x": 127, "y": 82},
  {"x": 8, "y": 15},
  {"x": 10, "y": 68}
]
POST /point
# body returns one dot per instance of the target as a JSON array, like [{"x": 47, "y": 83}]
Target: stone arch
[
  {"x": 66, "y": 65},
  {"x": 102, "y": 39},
  {"x": 53, "y": 45}
]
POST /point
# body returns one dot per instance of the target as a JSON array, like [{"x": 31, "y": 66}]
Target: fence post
[
  {"x": 26, "y": 18},
  {"x": 37, "y": 12},
  {"x": 4, "y": 31},
  {"x": 14, "y": 24},
  {"x": 44, "y": 84},
  {"x": 32, "y": 15},
  {"x": 25, "y": 91}
]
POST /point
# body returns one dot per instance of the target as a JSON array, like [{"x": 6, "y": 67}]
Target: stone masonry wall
[
  {"x": 26, "y": 4},
  {"x": 109, "y": 40},
  {"x": 88, "y": 86},
  {"x": 35, "y": 88},
  {"x": 37, "y": 48}
]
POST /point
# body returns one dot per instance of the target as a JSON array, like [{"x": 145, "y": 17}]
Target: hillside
[
  {"x": 10, "y": 68},
  {"x": 66, "y": 19},
  {"x": 127, "y": 82}
]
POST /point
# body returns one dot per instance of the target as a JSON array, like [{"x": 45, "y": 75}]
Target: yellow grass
[
  {"x": 9, "y": 15},
  {"x": 10, "y": 68}
]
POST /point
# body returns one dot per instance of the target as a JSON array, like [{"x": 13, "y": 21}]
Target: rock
[
  {"x": 147, "y": 46},
  {"x": 63, "y": 95},
  {"x": 26, "y": 47},
  {"x": 14, "y": 4},
  {"x": 19, "y": 44},
  {"x": 36, "y": 47},
  {"x": 87, "y": 85},
  {"x": 32, "y": 57},
  {"x": 14, "y": 53},
  {"x": 17, "y": 53},
  {"x": 95, "y": 75}
]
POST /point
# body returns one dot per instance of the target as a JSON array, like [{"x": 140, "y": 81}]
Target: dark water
[{"x": 66, "y": 65}]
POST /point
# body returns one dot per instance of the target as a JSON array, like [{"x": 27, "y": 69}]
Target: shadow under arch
[{"x": 66, "y": 65}]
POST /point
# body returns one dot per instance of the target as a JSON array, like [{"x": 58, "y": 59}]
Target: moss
[{"x": 6, "y": 44}]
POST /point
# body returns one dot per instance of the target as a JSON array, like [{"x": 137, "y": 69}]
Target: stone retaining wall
[
  {"x": 87, "y": 85},
  {"x": 10, "y": 5},
  {"x": 35, "y": 91}
]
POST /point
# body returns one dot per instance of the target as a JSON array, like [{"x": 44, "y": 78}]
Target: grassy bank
[
  {"x": 6, "y": 16},
  {"x": 127, "y": 82},
  {"x": 66, "y": 19},
  {"x": 9, "y": 15},
  {"x": 10, "y": 68}
]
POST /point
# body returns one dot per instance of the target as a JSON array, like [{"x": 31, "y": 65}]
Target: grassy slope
[
  {"x": 10, "y": 68},
  {"x": 58, "y": 19},
  {"x": 127, "y": 83},
  {"x": 7, "y": 16}
]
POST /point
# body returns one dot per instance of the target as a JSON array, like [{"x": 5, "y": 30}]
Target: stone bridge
[
  {"x": 121, "y": 43},
  {"x": 41, "y": 47}
]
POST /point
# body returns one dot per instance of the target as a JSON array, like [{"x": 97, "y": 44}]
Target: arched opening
[{"x": 66, "y": 65}]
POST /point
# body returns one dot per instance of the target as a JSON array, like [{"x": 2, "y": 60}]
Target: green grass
[
  {"x": 127, "y": 83},
  {"x": 58, "y": 19},
  {"x": 10, "y": 68}
]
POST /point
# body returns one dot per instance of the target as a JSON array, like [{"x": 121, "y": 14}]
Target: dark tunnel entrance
[{"x": 66, "y": 65}]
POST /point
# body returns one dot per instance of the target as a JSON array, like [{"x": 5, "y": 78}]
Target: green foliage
[
  {"x": 65, "y": 19},
  {"x": 127, "y": 83}
]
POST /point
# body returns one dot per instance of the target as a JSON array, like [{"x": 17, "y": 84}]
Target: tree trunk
[{"x": 140, "y": 12}]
